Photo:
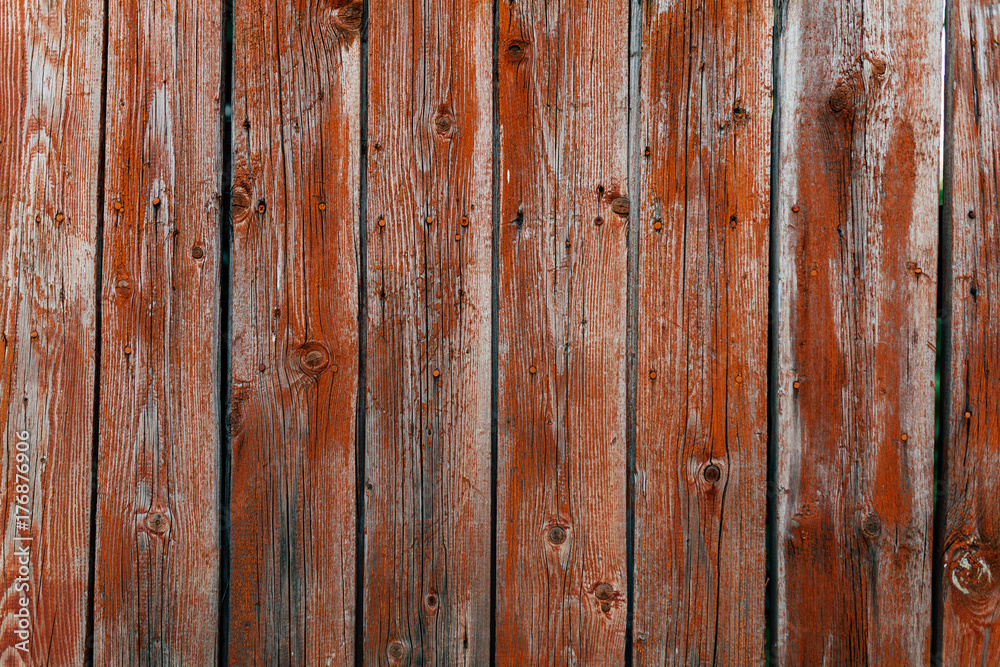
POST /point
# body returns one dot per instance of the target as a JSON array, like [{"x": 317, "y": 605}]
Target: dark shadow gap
[
  {"x": 98, "y": 288},
  {"x": 225, "y": 317},
  {"x": 943, "y": 361},
  {"x": 494, "y": 333},
  {"x": 771, "y": 531},
  {"x": 359, "y": 421}
]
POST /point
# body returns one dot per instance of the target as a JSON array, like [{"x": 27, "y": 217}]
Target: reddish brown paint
[
  {"x": 157, "y": 554},
  {"x": 563, "y": 115},
  {"x": 295, "y": 270},
  {"x": 970, "y": 548}
]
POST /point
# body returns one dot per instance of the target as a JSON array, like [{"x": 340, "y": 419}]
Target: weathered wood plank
[
  {"x": 856, "y": 216},
  {"x": 50, "y": 102},
  {"x": 429, "y": 222},
  {"x": 296, "y": 249},
  {"x": 563, "y": 169},
  {"x": 156, "y": 571},
  {"x": 701, "y": 379},
  {"x": 970, "y": 562}
]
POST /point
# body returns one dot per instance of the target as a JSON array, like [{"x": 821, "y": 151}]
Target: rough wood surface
[
  {"x": 856, "y": 223},
  {"x": 50, "y": 102},
  {"x": 701, "y": 421},
  {"x": 296, "y": 148},
  {"x": 970, "y": 565},
  {"x": 157, "y": 553},
  {"x": 429, "y": 222},
  {"x": 563, "y": 169}
]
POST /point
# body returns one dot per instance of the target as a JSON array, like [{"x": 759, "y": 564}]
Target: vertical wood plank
[
  {"x": 856, "y": 216},
  {"x": 701, "y": 420},
  {"x": 970, "y": 565},
  {"x": 156, "y": 572},
  {"x": 296, "y": 151},
  {"x": 429, "y": 225},
  {"x": 564, "y": 211},
  {"x": 50, "y": 101}
]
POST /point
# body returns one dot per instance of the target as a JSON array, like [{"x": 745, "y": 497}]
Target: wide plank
[
  {"x": 295, "y": 268},
  {"x": 702, "y": 227},
  {"x": 50, "y": 113},
  {"x": 428, "y": 372},
  {"x": 563, "y": 106},
  {"x": 856, "y": 226},
  {"x": 969, "y": 565},
  {"x": 157, "y": 555}
]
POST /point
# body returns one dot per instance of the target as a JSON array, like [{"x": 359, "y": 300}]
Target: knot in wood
[
  {"x": 604, "y": 591},
  {"x": 396, "y": 650},
  {"x": 871, "y": 526},
  {"x": 557, "y": 534},
  {"x": 516, "y": 51},
  {"x": 841, "y": 97},
  {"x": 878, "y": 67},
  {"x": 197, "y": 252},
  {"x": 712, "y": 473},
  {"x": 348, "y": 18},
  {"x": 157, "y": 523},
  {"x": 431, "y": 602},
  {"x": 444, "y": 122},
  {"x": 313, "y": 358},
  {"x": 971, "y": 573},
  {"x": 620, "y": 206}
]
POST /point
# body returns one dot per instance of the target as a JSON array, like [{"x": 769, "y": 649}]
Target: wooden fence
[{"x": 512, "y": 332}]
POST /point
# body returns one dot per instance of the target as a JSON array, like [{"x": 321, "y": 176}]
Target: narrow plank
[
  {"x": 296, "y": 249},
  {"x": 701, "y": 379},
  {"x": 50, "y": 109},
  {"x": 157, "y": 554},
  {"x": 856, "y": 222},
  {"x": 563, "y": 169},
  {"x": 429, "y": 225},
  {"x": 970, "y": 558}
]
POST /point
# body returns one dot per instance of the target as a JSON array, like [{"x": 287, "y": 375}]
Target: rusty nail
[
  {"x": 712, "y": 473},
  {"x": 532, "y": 370},
  {"x": 322, "y": 206},
  {"x": 652, "y": 375},
  {"x": 128, "y": 349},
  {"x": 436, "y": 373},
  {"x": 430, "y": 220},
  {"x": 197, "y": 252},
  {"x": 465, "y": 221},
  {"x": 968, "y": 414},
  {"x": 567, "y": 243},
  {"x": 598, "y": 221},
  {"x": 156, "y": 201},
  {"x": 796, "y": 384},
  {"x": 739, "y": 379},
  {"x": 334, "y": 368},
  {"x": 647, "y": 152},
  {"x": 262, "y": 367},
  {"x": 620, "y": 206},
  {"x": 972, "y": 215},
  {"x": 60, "y": 217},
  {"x": 34, "y": 334},
  {"x": 381, "y": 221},
  {"x": 604, "y": 591},
  {"x": 813, "y": 272},
  {"x": 261, "y": 207},
  {"x": 918, "y": 270},
  {"x": 872, "y": 526},
  {"x": 458, "y": 237},
  {"x": 557, "y": 534},
  {"x": 732, "y": 222},
  {"x": 606, "y": 607},
  {"x": 903, "y": 437},
  {"x": 38, "y": 218},
  {"x": 118, "y": 206},
  {"x": 795, "y": 209},
  {"x": 657, "y": 225}
]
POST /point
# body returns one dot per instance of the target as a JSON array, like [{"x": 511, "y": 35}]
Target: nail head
[
  {"x": 156, "y": 201},
  {"x": 903, "y": 437},
  {"x": 652, "y": 375},
  {"x": 968, "y": 414},
  {"x": 795, "y": 209},
  {"x": 465, "y": 221},
  {"x": 436, "y": 373},
  {"x": 322, "y": 206},
  {"x": 657, "y": 225}
]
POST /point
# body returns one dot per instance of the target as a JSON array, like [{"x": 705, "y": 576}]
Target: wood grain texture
[
  {"x": 429, "y": 222},
  {"x": 296, "y": 249},
  {"x": 50, "y": 102},
  {"x": 970, "y": 564},
  {"x": 701, "y": 422},
  {"x": 157, "y": 556},
  {"x": 856, "y": 224},
  {"x": 561, "y": 543}
]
